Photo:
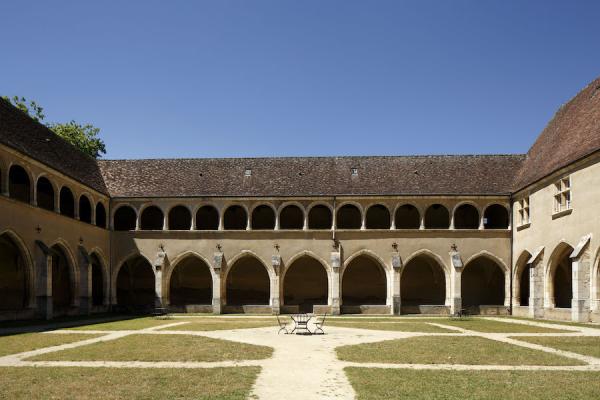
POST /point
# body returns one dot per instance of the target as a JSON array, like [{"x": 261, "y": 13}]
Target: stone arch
[
  {"x": 484, "y": 281},
  {"x": 423, "y": 282},
  {"x": 65, "y": 278},
  {"x": 364, "y": 280},
  {"x": 407, "y": 216},
  {"x": 559, "y": 276},
  {"x": 66, "y": 202},
  {"x": 135, "y": 284},
  {"x": 45, "y": 193},
  {"x": 85, "y": 209},
  {"x": 437, "y": 217},
  {"x": 291, "y": 216},
  {"x": 349, "y": 215},
  {"x": 247, "y": 281},
  {"x": 124, "y": 218},
  {"x": 466, "y": 216},
  {"x": 207, "y": 218},
  {"x": 320, "y": 216},
  {"x": 105, "y": 282},
  {"x": 496, "y": 216},
  {"x": 189, "y": 281},
  {"x": 19, "y": 183},
  {"x": 235, "y": 217},
  {"x": 152, "y": 218},
  {"x": 180, "y": 218},
  {"x": 378, "y": 217},
  {"x": 305, "y": 283},
  {"x": 596, "y": 281},
  {"x": 521, "y": 279},
  {"x": 100, "y": 215},
  {"x": 263, "y": 217},
  {"x": 16, "y": 275}
]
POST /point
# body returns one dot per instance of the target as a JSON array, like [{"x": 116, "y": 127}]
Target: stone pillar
[
  {"x": 159, "y": 265},
  {"x": 536, "y": 289},
  {"x": 580, "y": 304},
  {"x": 4, "y": 182},
  {"x": 43, "y": 280},
  {"x": 216, "y": 297},
  {"x": 85, "y": 281},
  {"x": 335, "y": 282},
  {"x": 275, "y": 301},
  {"x": 165, "y": 222},
  {"x": 455, "y": 282},
  {"x": 396, "y": 273}
]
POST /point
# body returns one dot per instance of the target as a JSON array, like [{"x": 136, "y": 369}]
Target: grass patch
[
  {"x": 408, "y": 326},
  {"x": 126, "y": 325},
  {"x": 19, "y": 343},
  {"x": 449, "y": 350},
  {"x": 124, "y": 383},
  {"x": 491, "y": 326},
  {"x": 553, "y": 322},
  {"x": 214, "y": 324},
  {"x": 587, "y": 345},
  {"x": 379, "y": 384},
  {"x": 161, "y": 348}
]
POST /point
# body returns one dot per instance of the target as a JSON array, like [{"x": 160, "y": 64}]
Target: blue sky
[{"x": 285, "y": 78}]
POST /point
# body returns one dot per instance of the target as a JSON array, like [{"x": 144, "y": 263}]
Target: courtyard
[{"x": 239, "y": 357}]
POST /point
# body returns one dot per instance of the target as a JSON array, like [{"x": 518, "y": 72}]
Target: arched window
[
  {"x": 67, "y": 202},
  {"x": 45, "y": 194},
  {"x": 437, "y": 217},
  {"x": 180, "y": 219},
  {"x": 408, "y": 217},
  {"x": 235, "y": 218},
  {"x": 348, "y": 217},
  {"x": 495, "y": 217},
  {"x": 263, "y": 217},
  {"x": 19, "y": 185},
  {"x": 124, "y": 219},
  {"x": 291, "y": 217},
  {"x": 100, "y": 215},
  {"x": 152, "y": 219},
  {"x": 466, "y": 216},
  {"x": 378, "y": 217},
  {"x": 207, "y": 219},
  {"x": 85, "y": 209},
  {"x": 319, "y": 217}
]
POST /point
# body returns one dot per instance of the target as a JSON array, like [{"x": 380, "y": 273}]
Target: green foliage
[{"x": 84, "y": 137}]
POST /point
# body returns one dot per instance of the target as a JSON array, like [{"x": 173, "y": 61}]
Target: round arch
[
  {"x": 349, "y": 215},
  {"x": 466, "y": 215},
  {"x": 496, "y": 216},
  {"x": 124, "y": 218},
  {"x": 291, "y": 215},
  {"x": 85, "y": 208},
  {"x": 407, "y": 216},
  {"x": 152, "y": 218},
  {"x": 19, "y": 183},
  {"x": 235, "y": 217},
  {"x": 437, "y": 217},
  {"x": 559, "y": 284},
  {"x": 45, "y": 192},
  {"x": 320, "y": 215},
  {"x": 66, "y": 202},
  {"x": 378, "y": 216},
  {"x": 180, "y": 218},
  {"x": 207, "y": 217},
  {"x": 27, "y": 265},
  {"x": 263, "y": 216}
]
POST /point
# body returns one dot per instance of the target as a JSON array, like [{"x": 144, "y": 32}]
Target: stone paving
[{"x": 306, "y": 367}]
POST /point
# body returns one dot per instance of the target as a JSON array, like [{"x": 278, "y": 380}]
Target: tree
[{"x": 84, "y": 137}]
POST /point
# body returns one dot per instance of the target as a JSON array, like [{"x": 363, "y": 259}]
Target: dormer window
[
  {"x": 247, "y": 172},
  {"x": 354, "y": 171}
]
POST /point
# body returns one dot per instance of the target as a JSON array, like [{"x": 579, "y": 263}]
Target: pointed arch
[
  {"x": 27, "y": 265},
  {"x": 134, "y": 283},
  {"x": 189, "y": 280},
  {"x": 558, "y": 276},
  {"x": 64, "y": 297},
  {"x": 247, "y": 280},
  {"x": 423, "y": 282},
  {"x": 96, "y": 251},
  {"x": 521, "y": 281},
  {"x": 485, "y": 281},
  {"x": 305, "y": 283},
  {"x": 364, "y": 280}
]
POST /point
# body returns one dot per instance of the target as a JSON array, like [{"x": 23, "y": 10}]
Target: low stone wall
[
  {"x": 563, "y": 314},
  {"x": 366, "y": 309},
  {"x": 488, "y": 310},
  {"x": 426, "y": 309},
  {"x": 520, "y": 311},
  {"x": 192, "y": 308},
  {"x": 248, "y": 309},
  {"x": 28, "y": 313}
]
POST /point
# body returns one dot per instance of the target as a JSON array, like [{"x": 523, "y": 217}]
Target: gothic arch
[
  {"x": 376, "y": 293},
  {"x": 561, "y": 252},
  {"x": 496, "y": 290},
  {"x": 242, "y": 295},
  {"x": 180, "y": 259},
  {"x": 73, "y": 270},
  {"x": 105, "y": 273},
  {"x": 292, "y": 293},
  {"x": 28, "y": 264},
  {"x": 521, "y": 283}
]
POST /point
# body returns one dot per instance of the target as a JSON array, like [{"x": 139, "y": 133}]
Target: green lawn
[
  {"x": 568, "y": 323},
  {"x": 490, "y": 326},
  {"x": 405, "y": 326},
  {"x": 589, "y": 346},
  {"x": 215, "y": 324},
  {"x": 127, "y": 324},
  {"x": 19, "y": 343},
  {"x": 125, "y": 383},
  {"x": 161, "y": 348},
  {"x": 383, "y": 384},
  {"x": 448, "y": 350}
]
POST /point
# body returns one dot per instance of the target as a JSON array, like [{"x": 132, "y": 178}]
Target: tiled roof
[
  {"x": 572, "y": 134},
  {"x": 312, "y": 176},
  {"x": 20, "y": 132}
]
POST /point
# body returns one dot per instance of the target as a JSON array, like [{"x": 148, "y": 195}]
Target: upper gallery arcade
[{"x": 494, "y": 234}]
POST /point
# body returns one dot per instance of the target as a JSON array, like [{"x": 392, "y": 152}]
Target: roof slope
[
  {"x": 573, "y": 133},
  {"x": 312, "y": 176},
  {"x": 22, "y": 133}
]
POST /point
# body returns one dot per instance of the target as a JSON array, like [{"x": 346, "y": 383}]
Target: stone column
[
  {"x": 43, "y": 280},
  {"x": 335, "y": 282},
  {"x": 216, "y": 296},
  {"x": 396, "y": 273},
  {"x": 580, "y": 304},
  {"x": 159, "y": 265},
  {"x": 275, "y": 301},
  {"x": 455, "y": 282},
  {"x": 85, "y": 281},
  {"x": 4, "y": 183},
  {"x": 536, "y": 289}
]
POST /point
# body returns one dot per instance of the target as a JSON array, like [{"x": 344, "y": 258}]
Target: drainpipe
[
  {"x": 510, "y": 202},
  {"x": 334, "y": 220}
]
